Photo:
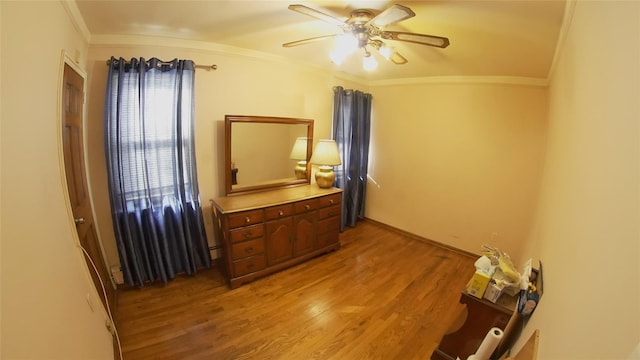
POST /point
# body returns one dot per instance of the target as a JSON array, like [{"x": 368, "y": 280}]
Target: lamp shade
[
  {"x": 326, "y": 153},
  {"x": 299, "y": 150}
]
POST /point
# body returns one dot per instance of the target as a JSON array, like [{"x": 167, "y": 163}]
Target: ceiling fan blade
[
  {"x": 431, "y": 40},
  {"x": 316, "y": 14},
  {"x": 392, "y": 15},
  {"x": 396, "y": 58},
  {"x": 307, "y": 41}
]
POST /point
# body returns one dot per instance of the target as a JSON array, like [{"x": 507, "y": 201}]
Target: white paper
[{"x": 488, "y": 345}]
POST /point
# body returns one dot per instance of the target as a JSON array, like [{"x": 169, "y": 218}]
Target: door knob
[{"x": 79, "y": 220}]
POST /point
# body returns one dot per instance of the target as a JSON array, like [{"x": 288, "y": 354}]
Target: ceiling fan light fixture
[
  {"x": 386, "y": 51},
  {"x": 337, "y": 57},
  {"x": 364, "y": 28},
  {"x": 369, "y": 63},
  {"x": 345, "y": 45}
]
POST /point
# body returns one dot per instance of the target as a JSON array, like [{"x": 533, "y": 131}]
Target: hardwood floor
[{"x": 383, "y": 295}]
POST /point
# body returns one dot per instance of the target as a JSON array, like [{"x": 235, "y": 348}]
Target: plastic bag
[{"x": 507, "y": 274}]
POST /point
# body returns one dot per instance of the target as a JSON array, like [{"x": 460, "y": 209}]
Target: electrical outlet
[
  {"x": 107, "y": 324},
  {"x": 494, "y": 237}
]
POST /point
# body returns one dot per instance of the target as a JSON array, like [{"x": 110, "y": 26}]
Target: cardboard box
[
  {"x": 493, "y": 291},
  {"x": 478, "y": 284}
]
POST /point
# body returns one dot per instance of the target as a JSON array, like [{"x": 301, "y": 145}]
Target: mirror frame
[{"x": 229, "y": 120}]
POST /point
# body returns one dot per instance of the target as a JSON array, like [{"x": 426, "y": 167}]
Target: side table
[{"x": 469, "y": 329}]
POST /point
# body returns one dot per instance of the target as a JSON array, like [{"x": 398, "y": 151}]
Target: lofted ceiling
[{"x": 497, "y": 38}]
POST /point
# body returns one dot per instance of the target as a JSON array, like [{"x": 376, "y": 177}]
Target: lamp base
[
  {"x": 301, "y": 169},
  {"x": 325, "y": 176}
]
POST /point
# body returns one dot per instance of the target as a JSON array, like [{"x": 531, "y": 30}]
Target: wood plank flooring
[{"x": 383, "y": 295}]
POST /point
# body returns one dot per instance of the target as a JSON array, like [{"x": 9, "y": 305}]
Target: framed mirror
[{"x": 263, "y": 152}]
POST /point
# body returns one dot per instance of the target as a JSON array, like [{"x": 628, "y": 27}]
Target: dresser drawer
[
  {"x": 246, "y": 218},
  {"x": 329, "y": 225},
  {"x": 263, "y": 232},
  {"x": 277, "y": 212},
  {"x": 248, "y": 265},
  {"x": 330, "y": 200},
  {"x": 246, "y": 233},
  {"x": 328, "y": 212},
  {"x": 247, "y": 248},
  {"x": 307, "y": 205}
]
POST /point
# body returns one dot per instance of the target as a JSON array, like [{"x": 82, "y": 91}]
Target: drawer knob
[
  {"x": 248, "y": 234},
  {"x": 280, "y": 212},
  {"x": 249, "y": 266},
  {"x": 249, "y": 249},
  {"x": 247, "y": 219},
  {"x": 331, "y": 201},
  {"x": 307, "y": 207}
]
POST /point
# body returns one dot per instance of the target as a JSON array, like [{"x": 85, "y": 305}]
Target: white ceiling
[{"x": 498, "y": 38}]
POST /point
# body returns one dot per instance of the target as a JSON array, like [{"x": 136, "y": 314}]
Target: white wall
[
  {"x": 587, "y": 222},
  {"x": 457, "y": 162},
  {"x": 45, "y": 314}
]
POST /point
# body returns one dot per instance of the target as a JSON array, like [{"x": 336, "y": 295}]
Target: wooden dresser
[{"x": 261, "y": 233}]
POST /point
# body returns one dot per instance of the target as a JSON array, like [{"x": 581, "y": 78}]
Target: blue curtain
[
  {"x": 351, "y": 130},
  {"x": 153, "y": 188}
]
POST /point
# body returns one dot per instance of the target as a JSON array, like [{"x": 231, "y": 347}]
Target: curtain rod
[{"x": 208, "y": 67}]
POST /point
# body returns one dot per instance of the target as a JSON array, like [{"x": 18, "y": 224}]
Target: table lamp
[
  {"x": 299, "y": 152},
  {"x": 326, "y": 155}
]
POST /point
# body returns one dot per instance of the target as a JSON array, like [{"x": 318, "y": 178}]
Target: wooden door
[
  {"x": 72, "y": 135},
  {"x": 305, "y": 236},
  {"x": 279, "y": 240}
]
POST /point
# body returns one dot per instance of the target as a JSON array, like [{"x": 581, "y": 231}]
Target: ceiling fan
[{"x": 363, "y": 29}]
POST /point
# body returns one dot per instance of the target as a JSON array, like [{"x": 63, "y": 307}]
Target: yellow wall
[
  {"x": 457, "y": 163},
  {"x": 454, "y": 163},
  {"x": 471, "y": 168},
  {"x": 45, "y": 314},
  {"x": 587, "y": 223}
]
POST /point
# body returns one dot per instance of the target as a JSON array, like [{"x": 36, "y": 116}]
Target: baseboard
[
  {"x": 423, "y": 239},
  {"x": 116, "y": 272}
]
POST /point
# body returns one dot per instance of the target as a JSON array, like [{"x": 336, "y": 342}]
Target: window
[{"x": 151, "y": 167}]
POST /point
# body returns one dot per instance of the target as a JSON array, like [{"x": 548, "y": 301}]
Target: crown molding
[
  {"x": 71, "y": 7},
  {"x": 562, "y": 36},
  {"x": 213, "y": 48},
  {"x": 501, "y": 80},
  {"x": 158, "y": 41}
]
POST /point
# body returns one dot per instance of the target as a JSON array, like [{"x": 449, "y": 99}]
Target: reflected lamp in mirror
[
  {"x": 326, "y": 155},
  {"x": 299, "y": 152}
]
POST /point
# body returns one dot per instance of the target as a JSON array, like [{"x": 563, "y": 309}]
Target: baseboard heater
[{"x": 117, "y": 276}]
